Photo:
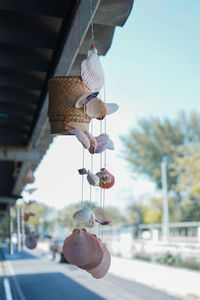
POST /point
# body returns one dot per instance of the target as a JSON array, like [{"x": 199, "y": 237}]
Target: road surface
[{"x": 33, "y": 278}]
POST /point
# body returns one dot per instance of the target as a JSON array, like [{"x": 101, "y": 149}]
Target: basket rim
[{"x": 78, "y": 78}]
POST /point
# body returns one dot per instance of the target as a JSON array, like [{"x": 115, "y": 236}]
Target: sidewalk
[
  {"x": 179, "y": 282},
  {"x": 176, "y": 281}
]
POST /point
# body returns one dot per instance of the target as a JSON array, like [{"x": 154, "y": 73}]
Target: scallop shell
[
  {"x": 102, "y": 142},
  {"x": 84, "y": 99},
  {"x": 82, "y": 216},
  {"x": 92, "y": 72},
  {"x": 101, "y": 270},
  {"x": 111, "y": 108},
  {"x": 101, "y": 216},
  {"x": 110, "y": 145},
  {"x": 93, "y": 142},
  {"x": 96, "y": 108},
  {"x": 92, "y": 179},
  {"x": 82, "y": 137},
  {"x": 81, "y": 248}
]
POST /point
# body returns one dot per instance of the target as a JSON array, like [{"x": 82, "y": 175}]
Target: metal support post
[
  {"x": 18, "y": 230},
  {"x": 11, "y": 250},
  {"x": 22, "y": 227},
  {"x": 165, "y": 218}
]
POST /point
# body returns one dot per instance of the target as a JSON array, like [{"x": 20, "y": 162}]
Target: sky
[{"x": 151, "y": 70}]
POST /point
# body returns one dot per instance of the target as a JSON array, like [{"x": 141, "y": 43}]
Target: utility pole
[
  {"x": 165, "y": 216},
  {"x": 11, "y": 250}
]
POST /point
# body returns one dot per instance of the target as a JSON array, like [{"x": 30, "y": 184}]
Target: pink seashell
[
  {"x": 93, "y": 142},
  {"x": 106, "y": 179},
  {"x": 81, "y": 248},
  {"x": 102, "y": 142},
  {"x": 92, "y": 71},
  {"x": 30, "y": 241},
  {"x": 82, "y": 137},
  {"x": 101, "y": 270},
  {"x": 111, "y": 145}
]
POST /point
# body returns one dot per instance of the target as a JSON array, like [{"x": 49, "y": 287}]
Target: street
[{"x": 34, "y": 278}]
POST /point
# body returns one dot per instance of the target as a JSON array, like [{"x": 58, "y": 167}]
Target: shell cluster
[
  {"x": 94, "y": 144},
  {"x": 87, "y": 217},
  {"x": 104, "y": 179},
  {"x": 87, "y": 252}
]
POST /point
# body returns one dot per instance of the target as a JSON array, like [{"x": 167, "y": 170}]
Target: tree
[
  {"x": 186, "y": 167},
  {"x": 153, "y": 139}
]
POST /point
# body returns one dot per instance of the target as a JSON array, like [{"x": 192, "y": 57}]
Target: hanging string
[
  {"x": 91, "y": 42},
  {"x": 91, "y": 166}
]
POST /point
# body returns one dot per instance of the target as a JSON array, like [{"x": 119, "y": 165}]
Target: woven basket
[{"x": 63, "y": 115}]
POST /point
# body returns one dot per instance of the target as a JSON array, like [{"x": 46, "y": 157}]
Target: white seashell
[
  {"x": 82, "y": 216},
  {"x": 92, "y": 72},
  {"x": 111, "y": 145},
  {"x": 102, "y": 142},
  {"x": 101, "y": 216},
  {"x": 82, "y": 137},
  {"x": 84, "y": 99},
  {"x": 92, "y": 179},
  {"x": 111, "y": 108},
  {"x": 96, "y": 108}
]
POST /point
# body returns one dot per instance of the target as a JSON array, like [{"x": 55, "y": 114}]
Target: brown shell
[
  {"x": 81, "y": 248},
  {"x": 101, "y": 270}
]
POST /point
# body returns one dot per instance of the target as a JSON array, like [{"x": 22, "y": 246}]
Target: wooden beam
[
  {"x": 17, "y": 95},
  {"x": 19, "y": 57},
  {"x": 19, "y": 154},
  {"x": 19, "y": 79},
  {"x": 29, "y": 30},
  {"x": 41, "y": 7}
]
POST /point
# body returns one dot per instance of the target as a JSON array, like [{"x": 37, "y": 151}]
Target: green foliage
[
  {"x": 153, "y": 139},
  {"x": 187, "y": 166},
  {"x": 42, "y": 215}
]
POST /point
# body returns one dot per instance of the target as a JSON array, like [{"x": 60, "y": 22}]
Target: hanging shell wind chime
[{"x": 74, "y": 102}]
